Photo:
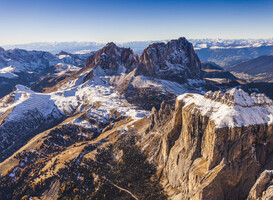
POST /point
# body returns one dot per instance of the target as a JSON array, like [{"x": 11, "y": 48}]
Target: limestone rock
[
  {"x": 174, "y": 61},
  {"x": 263, "y": 188},
  {"x": 113, "y": 59}
]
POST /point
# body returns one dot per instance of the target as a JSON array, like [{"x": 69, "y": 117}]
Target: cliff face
[
  {"x": 206, "y": 153},
  {"x": 175, "y": 61}
]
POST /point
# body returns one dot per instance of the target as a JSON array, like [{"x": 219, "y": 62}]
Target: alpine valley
[{"x": 111, "y": 124}]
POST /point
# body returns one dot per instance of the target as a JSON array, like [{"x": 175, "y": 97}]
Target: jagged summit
[
  {"x": 112, "y": 57},
  {"x": 111, "y": 44},
  {"x": 175, "y": 60},
  {"x": 234, "y": 108}
]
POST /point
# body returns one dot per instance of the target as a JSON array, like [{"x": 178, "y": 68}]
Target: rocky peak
[
  {"x": 160, "y": 116},
  {"x": 113, "y": 58},
  {"x": 175, "y": 60}
]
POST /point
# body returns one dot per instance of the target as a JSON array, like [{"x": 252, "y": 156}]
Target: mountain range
[
  {"x": 116, "y": 125},
  {"x": 224, "y": 52}
]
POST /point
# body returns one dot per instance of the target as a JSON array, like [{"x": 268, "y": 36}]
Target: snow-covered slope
[
  {"x": 234, "y": 108},
  {"x": 34, "y": 61},
  {"x": 97, "y": 91},
  {"x": 19, "y": 66},
  {"x": 24, "y": 113},
  {"x": 22, "y": 60}
]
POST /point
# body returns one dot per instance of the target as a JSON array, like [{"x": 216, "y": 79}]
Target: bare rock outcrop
[
  {"x": 209, "y": 148},
  {"x": 263, "y": 188},
  {"x": 113, "y": 58},
  {"x": 175, "y": 60}
]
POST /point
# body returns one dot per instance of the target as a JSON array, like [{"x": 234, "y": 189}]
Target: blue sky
[{"x": 25, "y": 21}]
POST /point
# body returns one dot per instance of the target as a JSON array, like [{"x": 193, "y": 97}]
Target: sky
[{"x": 26, "y": 21}]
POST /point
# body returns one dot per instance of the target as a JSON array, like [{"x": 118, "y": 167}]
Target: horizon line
[{"x": 118, "y": 42}]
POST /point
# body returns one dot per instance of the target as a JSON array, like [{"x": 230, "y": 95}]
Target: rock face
[
  {"x": 175, "y": 61},
  {"x": 209, "y": 149},
  {"x": 113, "y": 59},
  {"x": 263, "y": 188}
]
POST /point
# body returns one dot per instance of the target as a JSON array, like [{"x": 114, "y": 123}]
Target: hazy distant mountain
[
  {"x": 212, "y": 70},
  {"x": 226, "y": 53},
  {"x": 56, "y": 47},
  {"x": 232, "y": 56},
  {"x": 257, "y": 69},
  {"x": 261, "y": 64}
]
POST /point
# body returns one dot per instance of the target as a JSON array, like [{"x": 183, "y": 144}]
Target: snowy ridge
[
  {"x": 234, "y": 108},
  {"x": 62, "y": 68},
  {"x": 26, "y": 100},
  {"x": 19, "y": 66},
  {"x": 22, "y": 60},
  {"x": 19, "y": 60}
]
